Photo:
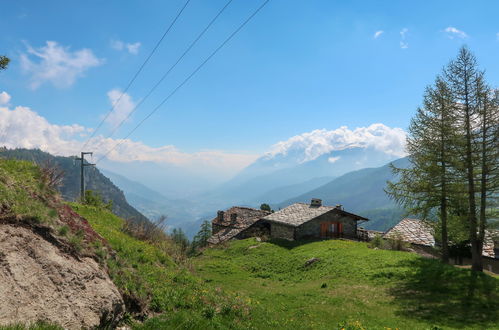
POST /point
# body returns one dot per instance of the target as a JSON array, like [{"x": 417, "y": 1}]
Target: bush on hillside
[
  {"x": 396, "y": 243},
  {"x": 95, "y": 199},
  {"x": 376, "y": 242},
  {"x": 148, "y": 231}
]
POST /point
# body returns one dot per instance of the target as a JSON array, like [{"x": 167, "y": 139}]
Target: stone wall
[
  {"x": 282, "y": 231},
  {"x": 312, "y": 229},
  {"x": 259, "y": 229}
]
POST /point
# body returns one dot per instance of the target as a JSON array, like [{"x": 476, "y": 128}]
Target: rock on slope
[
  {"x": 39, "y": 281},
  {"x": 50, "y": 267}
]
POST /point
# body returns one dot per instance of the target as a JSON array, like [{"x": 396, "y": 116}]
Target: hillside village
[{"x": 250, "y": 204}]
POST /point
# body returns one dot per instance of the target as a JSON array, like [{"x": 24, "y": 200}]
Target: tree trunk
[{"x": 476, "y": 255}]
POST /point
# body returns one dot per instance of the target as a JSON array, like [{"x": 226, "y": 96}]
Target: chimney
[
  {"x": 316, "y": 202},
  {"x": 220, "y": 216},
  {"x": 339, "y": 206},
  {"x": 233, "y": 217}
]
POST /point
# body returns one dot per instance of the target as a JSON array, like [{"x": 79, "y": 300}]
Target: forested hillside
[{"x": 70, "y": 185}]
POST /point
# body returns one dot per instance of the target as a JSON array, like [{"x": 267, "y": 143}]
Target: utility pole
[{"x": 82, "y": 183}]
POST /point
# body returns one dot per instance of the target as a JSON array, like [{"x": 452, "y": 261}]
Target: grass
[
  {"x": 40, "y": 325},
  {"x": 351, "y": 286},
  {"x": 23, "y": 193},
  {"x": 151, "y": 281}
]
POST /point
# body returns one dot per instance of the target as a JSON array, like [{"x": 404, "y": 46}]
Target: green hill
[
  {"x": 350, "y": 287},
  {"x": 70, "y": 187}
]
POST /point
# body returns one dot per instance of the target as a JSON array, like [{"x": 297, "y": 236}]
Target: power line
[
  {"x": 187, "y": 79},
  {"x": 138, "y": 72},
  {"x": 135, "y": 108}
]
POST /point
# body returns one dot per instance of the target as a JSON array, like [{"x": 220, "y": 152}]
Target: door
[{"x": 331, "y": 229}]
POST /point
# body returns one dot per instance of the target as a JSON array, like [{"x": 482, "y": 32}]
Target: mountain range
[{"x": 354, "y": 177}]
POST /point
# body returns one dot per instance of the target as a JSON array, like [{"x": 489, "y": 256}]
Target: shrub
[
  {"x": 95, "y": 199},
  {"x": 63, "y": 231},
  {"x": 376, "y": 242},
  {"x": 147, "y": 231},
  {"x": 397, "y": 243}
]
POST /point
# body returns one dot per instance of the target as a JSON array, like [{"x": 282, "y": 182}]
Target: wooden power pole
[{"x": 82, "y": 182}]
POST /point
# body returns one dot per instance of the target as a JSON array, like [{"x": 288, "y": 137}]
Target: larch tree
[
  {"x": 466, "y": 82},
  {"x": 426, "y": 186}
]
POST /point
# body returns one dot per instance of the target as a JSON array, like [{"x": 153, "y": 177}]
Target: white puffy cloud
[
  {"x": 378, "y": 34},
  {"x": 21, "y": 127},
  {"x": 452, "y": 32},
  {"x": 403, "y": 42},
  {"x": 131, "y": 48},
  {"x": 122, "y": 106},
  {"x": 56, "y": 64},
  {"x": 333, "y": 159},
  {"x": 4, "y": 98},
  {"x": 318, "y": 142}
]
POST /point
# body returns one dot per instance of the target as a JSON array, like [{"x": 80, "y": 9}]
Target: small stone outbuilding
[{"x": 236, "y": 223}]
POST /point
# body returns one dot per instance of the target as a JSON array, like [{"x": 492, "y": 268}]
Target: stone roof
[
  {"x": 299, "y": 213},
  {"x": 418, "y": 232},
  {"x": 488, "y": 244},
  {"x": 235, "y": 220},
  {"x": 224, "y": 235},
  {"x": 412, "y": 231},
  {"x": 244, "y": 217}
]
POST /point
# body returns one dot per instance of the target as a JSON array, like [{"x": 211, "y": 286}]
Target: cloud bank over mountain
[
  {"x": 22, "y": 127},
  {"x": 312, "y": 145}
]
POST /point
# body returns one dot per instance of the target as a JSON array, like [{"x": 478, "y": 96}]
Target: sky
[{"x": 296, "y": 69}]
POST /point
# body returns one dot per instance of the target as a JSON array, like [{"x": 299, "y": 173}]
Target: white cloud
[
  {"x": 403, "y": 42},
  {"x": 333, "y": 159},
  {"x": 452, "y": 32},
  {"x": 123, "y": 105},
  {"x": 378, "y": 34},
  {"x": 21, "y": 127},
  {"x": 4, "y": 98},
  {"x": 56, "y": 64},
  {"x": 318, "y": 142},
  {"x": 131, "y": 48}
]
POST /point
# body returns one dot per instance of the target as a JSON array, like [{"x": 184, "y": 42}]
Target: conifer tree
[
  {"x": 427, "y": 184},
  {"x": 201, "y": 239},
  {"x": 468, "y": 88},
  {"x": 4, "y": 62}
]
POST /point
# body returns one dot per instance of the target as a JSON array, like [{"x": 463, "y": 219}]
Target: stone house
[
  {"x": 295, "y": 222},
  {"x": 420, "y": 235}
]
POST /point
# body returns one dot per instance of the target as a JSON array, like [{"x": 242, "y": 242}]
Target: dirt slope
[
  {"x": 38, "y": 281},
  {"x": 52, "y": 264}
]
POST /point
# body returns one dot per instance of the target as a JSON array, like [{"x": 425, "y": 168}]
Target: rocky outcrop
[{"x": 40, "y": 279}]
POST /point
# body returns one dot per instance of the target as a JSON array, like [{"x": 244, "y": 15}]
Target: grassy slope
[
  {"x": 148, "y": 273},
  {"x": 23, "y": 193},
  {"x": 374, "y": 288}
]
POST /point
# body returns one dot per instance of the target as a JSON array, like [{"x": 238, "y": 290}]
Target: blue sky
[{"x": 296, "y": 67}]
